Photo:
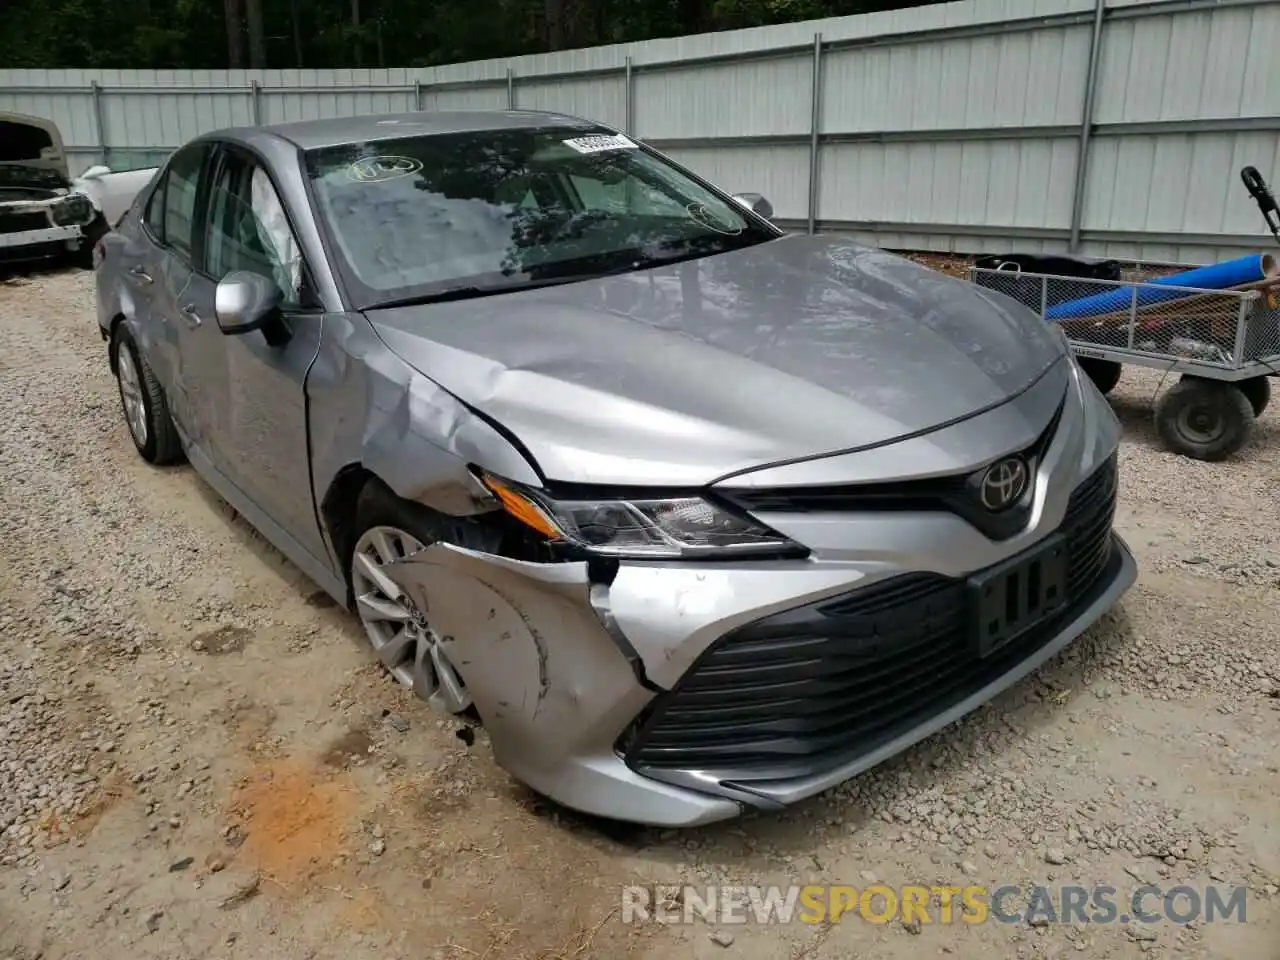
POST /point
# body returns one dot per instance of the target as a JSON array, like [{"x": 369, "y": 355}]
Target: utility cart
[
  {"x": 1225, "y": 344},
  {"x": 1223, "y": 341}
]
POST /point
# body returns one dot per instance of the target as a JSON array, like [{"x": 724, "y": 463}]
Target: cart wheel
[
  {"x": 1105, "y": 374},
  {"x": 1258, "y": 390},
  {"x": 1204, "y": 419}
]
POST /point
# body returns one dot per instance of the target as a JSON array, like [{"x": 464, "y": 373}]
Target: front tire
[
  {"x": 146, "y": 413},
  {"x": 1204, "y": 419},
  {"x": 389, "y": 529}
]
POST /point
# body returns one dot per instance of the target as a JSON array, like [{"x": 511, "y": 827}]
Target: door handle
[
  {"x": 140, "y": 274},
  {"x": 190, "y": 315}
]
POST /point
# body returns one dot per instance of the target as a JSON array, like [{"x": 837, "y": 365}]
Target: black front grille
[
  {"x": 821, "y": 685},
  {"x": 22, "y": 222}
]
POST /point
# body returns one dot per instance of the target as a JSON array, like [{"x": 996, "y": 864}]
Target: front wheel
[
  {"x": 400, "y": 633},
  {"x": 1204, "y": 419}
]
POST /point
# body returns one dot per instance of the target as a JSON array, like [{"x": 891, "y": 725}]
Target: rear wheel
[
  {"x": 400, "y": 633},
  {"x": 146, "y": 413},
  {"x": 1105, "y": 374},
  {"x": 1204, "y": 419}
]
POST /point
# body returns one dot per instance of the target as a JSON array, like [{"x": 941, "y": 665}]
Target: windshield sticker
[
  {"x": 600, "y": 144},
  {"x": 378, "y": 169},
  {"x": 699, "y": 213}
]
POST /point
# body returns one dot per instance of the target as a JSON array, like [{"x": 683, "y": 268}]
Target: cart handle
[{"x": 1264, "y": 198}]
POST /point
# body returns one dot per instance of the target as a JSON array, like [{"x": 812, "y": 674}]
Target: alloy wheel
[
  {"x": 401, "y": 634},
  {"x": 135, "y": 411}
]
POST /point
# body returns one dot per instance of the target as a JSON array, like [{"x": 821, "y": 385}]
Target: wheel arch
[
  {"x": 113, "y": 330},
  {"x": 482, "y": 525},
  {"x": 459, "y": 509}
]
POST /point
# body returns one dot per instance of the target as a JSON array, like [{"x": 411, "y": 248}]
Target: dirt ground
[{"x": 198, "y": 758}]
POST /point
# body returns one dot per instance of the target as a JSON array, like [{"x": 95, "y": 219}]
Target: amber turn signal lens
[{"x": 522, "y": 508}]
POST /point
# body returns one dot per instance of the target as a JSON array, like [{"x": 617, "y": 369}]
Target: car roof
[{"x": 308, "y": 134}]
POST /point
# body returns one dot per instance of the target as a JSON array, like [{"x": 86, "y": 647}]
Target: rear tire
[
  {"x": 1204, "y": 419},
  {"x": 146, "y": 414},
  {"x": 1258, "y": 390},
  {"x": 1105, "y": 374}
]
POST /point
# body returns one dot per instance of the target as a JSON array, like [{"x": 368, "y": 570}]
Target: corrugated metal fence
[{"x": 980, "y": 125}]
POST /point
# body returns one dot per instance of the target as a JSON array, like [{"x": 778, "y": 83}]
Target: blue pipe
[{"x": 1215, "y": 276}]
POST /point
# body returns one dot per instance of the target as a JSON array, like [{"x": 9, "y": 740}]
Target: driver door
[{"x": 256, "y": 424}]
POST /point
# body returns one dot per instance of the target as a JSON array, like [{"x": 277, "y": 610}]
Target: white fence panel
[
  {"x": 757, "y": 98},
  {"x": 600, "y": 98},
  {"x": 779, "y": 173},
  {"x": 958, "y": 126}
]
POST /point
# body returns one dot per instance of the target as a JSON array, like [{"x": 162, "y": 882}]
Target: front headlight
[
  {"x": 75, "y": 209},
  {"x": 648, "y": 529}
]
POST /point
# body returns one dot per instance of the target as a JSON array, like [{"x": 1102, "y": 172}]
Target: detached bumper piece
[{"x": 815, "y": 688}]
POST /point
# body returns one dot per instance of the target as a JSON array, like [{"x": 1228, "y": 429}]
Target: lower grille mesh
[{"x": 820, "y": 685}]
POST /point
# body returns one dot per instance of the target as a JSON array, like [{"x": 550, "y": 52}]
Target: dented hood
[{"x": 682, "y": 374}]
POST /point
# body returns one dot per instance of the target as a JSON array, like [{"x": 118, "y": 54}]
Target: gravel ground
[{"x": 199, "y": 758}]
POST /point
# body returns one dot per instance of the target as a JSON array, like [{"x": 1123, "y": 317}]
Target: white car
[{"x": 44, "y": 212}]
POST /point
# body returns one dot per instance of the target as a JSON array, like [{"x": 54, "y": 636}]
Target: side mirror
[
  {"x": 244, "y": 301},
  {"x": 756, "y": 204}
]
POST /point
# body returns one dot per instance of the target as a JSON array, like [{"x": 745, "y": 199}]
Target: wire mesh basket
[{"x": 1221, "y": 334}]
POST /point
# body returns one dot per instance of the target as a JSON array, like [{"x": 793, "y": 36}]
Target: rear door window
[{"x": 170, "y": 211}]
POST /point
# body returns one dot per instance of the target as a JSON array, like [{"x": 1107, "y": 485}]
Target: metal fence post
[
  {"x": 815, "y": 124},
  {"x": 255, "y": 91},
  {"x": 1242, "y": 325},
  {"x": 417, "y": 95},
  {"x": 511, "y": 89},
  {"x": 103, "y": 149},
  {"x": 1086, "y": 125},
  {"x": 1133, "y": 316},
  {"x": 628, "y": 102}
]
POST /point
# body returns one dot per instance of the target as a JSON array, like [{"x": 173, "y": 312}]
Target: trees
[{"x": 169, "y": 34}]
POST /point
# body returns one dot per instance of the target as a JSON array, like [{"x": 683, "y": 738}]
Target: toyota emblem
[{"x": 1004, "y": 483}]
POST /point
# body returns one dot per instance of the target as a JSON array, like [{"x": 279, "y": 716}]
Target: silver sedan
[{"x": 692, "y": 514}]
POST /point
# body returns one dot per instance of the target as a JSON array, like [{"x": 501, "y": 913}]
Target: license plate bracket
[{"x": 1006, "y": 600}]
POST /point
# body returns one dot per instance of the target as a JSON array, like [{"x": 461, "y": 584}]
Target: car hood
[
  {"x": 683, "y": 374},
  {"x": 31, "y": 151}
]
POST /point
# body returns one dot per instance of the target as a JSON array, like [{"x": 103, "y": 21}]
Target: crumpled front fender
[
  {"x": 553, "y": 686},
  {"x": 545, "y": 674}
]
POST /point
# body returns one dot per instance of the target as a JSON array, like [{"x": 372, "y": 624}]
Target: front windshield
[{"x": 439, "y": 215}]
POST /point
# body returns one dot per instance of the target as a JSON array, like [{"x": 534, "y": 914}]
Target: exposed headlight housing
[
  {"x": 646, "y": 529},
  {"x": 75, "y": 209}
]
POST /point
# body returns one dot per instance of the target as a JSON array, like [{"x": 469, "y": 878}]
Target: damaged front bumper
[
  {"x": 40, "y": 244},
  {"x": 565, "y": 672},
  {"x": 30, "y": 229}
]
